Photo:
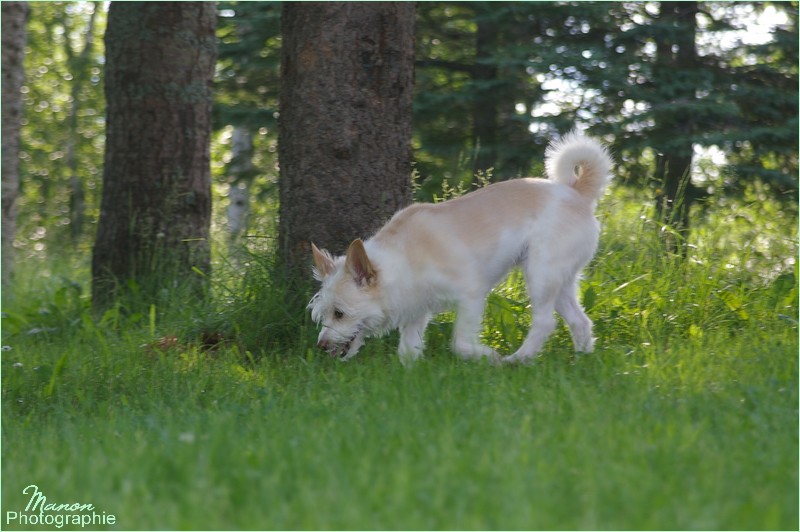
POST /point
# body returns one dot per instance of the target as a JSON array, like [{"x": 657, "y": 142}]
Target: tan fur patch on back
[{"x": 478, "y": 215}]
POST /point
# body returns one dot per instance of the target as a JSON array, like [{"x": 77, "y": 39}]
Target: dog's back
[{"x": 491, "y": 228}]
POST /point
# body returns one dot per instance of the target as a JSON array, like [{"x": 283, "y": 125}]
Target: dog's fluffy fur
[{"x": 430, "y": 257}]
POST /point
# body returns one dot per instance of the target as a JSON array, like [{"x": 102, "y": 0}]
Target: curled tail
[{"x": 588, "y": 156}]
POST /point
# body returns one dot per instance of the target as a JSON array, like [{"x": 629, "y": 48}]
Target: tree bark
[
  {"x": 14, "y": 17},
  {"x": 156, "y": 202},
  {"x": 345, "y": 122},
  {"x": 676, "y": 53}
]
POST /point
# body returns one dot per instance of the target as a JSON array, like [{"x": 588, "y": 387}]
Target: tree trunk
[
  {"x": 676, "y": 56},
  {"x": 156, "y": 203},
  {"x": 14, "y": 16},
  {"x": 345, "y": 122}
]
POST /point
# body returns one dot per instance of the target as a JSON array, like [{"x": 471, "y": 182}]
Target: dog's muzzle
[{"x": 338, "y": 350}]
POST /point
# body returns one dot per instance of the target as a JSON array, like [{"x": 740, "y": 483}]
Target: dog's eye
[{"x": 338, "y": 314}]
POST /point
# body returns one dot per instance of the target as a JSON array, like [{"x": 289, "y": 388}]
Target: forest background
[{"x": 494, "y": 83}]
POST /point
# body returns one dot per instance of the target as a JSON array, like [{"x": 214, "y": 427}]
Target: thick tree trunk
[
  {"x": 156, "y": 203},
  {"x": 676, "y": 52},
  {"x": 345, "y": 122},
  {"x": 14, "y": 16}
]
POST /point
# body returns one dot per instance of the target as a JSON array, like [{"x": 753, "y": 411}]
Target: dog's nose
[{"x": 323, "y": 344}]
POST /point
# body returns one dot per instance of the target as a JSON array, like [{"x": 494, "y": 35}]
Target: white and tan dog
[{"x": 431, "y": 257}]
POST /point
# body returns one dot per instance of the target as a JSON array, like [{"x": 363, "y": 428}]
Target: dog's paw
[
  {"x": 409, "y": 359},
  {"x": 518, "y": 359},
  {"x": 585, "y": 346},
  {"x": 475, "y": 352}
]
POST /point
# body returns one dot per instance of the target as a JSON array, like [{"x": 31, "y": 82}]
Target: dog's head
[{"x": 348, "y": 303}]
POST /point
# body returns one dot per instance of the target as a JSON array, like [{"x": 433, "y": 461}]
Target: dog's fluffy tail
[{"x": 588, "y": 156}]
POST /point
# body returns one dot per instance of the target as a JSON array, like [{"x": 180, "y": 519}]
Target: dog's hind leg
[
  {"x": 412, "y": 340},
  {"x": 543, "y": 292},
  {"x": 543, "y": 325},
  {"x": 580, "y": 326}
]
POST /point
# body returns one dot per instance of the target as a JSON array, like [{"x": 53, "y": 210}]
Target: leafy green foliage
[{"x": 62, "y": 135}]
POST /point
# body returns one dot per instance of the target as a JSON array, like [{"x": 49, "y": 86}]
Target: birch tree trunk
[{"x": 240, "y": 172}]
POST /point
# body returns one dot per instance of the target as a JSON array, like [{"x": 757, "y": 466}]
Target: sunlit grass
[{"x": 223, "y": 415}]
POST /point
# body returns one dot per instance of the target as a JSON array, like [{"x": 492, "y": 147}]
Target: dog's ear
[
  {"x": 323, "y": 263},
  {"x": 358, "y": 264}
]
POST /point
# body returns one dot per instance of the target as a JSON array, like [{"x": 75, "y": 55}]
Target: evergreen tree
[
  {"x": 632, "y": 72},
  {"x": 677, "y": 79},
  {"x": 248, "y": 78},
  {"x": 761, "y": 139},
  {"x": 480, "y": 73},
  {"x": 658, "y": 96}
]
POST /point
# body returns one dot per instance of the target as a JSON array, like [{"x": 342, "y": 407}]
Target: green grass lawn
[{"x": 685, "y": 417}]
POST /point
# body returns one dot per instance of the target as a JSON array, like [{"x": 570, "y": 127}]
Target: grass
[{"x": 685, "y": 417}]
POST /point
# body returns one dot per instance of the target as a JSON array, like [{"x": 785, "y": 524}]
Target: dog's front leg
[
  {"x": 466, "y": 341},
  {"x": 412, "y": 340}
]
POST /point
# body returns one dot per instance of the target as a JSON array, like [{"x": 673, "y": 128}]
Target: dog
[{"x": 433, "y": 257}]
